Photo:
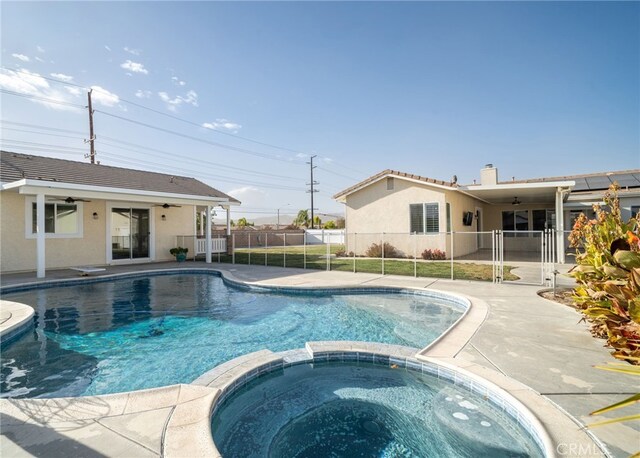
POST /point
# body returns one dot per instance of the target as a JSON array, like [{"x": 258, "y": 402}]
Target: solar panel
[
  {"x": 598, "y": 182},
  {"x": 626, "y": 179},
  {"x": 581, "y": 184}
]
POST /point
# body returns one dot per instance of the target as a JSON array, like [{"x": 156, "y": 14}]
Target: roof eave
[{"x": 29, "y": 186}]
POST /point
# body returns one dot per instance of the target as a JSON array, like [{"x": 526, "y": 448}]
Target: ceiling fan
[
  {"x": 167, "y": 205},
  {"x": 69, "y": 200}
]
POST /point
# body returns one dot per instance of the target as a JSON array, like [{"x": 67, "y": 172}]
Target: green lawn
[{"x": 316, "y": 259}]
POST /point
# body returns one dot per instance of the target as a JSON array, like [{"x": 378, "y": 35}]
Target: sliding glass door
[{"x": 129, "y": 233}]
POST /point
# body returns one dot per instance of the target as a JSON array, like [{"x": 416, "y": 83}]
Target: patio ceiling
[{"x": 527, "y": 193}]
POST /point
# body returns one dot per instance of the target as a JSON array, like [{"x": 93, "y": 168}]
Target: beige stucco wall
[
  {"x": 18, "y": 253},
  {"x": 374, "y": 209},
  {"x": 179, "y": 221}
]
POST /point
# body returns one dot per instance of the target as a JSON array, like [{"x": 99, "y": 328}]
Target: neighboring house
[
  {"x": 399, "y": 204},
  {"x": 57, "y": 213}
]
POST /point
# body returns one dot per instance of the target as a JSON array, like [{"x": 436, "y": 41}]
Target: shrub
[
  {"x": 434, "y": 255},
  {"x": 341, "y": 253},
  {"x": 375, "y": 251},
  {"x": 608, "y": 276}
]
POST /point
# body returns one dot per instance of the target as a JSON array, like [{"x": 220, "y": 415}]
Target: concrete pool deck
[{"x": 539, "y": 343}]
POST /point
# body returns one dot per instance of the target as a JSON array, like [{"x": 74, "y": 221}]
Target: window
[
  {"x": 389, "y": 183},
  {"x": 515, "y": 221},
  {"x": 60, "y": 219},
  {"x": 543, "y": 219},
  {"x": 417, "y": 218},
  {"x": 424, "y": 218},
  {"x": 635, "y": 209}
]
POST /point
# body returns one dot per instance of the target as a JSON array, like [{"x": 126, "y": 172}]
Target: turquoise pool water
[
  {"x": 362, "y": 410},
  {"x": 122, "y": 335}
]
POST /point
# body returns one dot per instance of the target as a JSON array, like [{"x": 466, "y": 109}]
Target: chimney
[{"x": 489, "y": 175}]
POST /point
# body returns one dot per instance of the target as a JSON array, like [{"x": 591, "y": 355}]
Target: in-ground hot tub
[{"x": 353, "y": 407}]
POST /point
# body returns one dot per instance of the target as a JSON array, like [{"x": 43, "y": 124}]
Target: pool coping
[
  {"x": 440, "y": 352},
  {"x": 17, "y": 318}
]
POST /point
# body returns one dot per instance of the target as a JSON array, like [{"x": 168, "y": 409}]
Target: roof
[
  {"x": 17, "y": 166},
  {"x": 593, "y": 181},
  {"x": 394, "y": 173}
]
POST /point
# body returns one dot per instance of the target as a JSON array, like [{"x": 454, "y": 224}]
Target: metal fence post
[
  {"x": 452, "y": 277},
  {"x": 304, "y": 250},
  {"x": 355, "y": 238},
  {"x": 233, "y": 248},
  {"x": 415, "y": 256},
  {"x": 382, "y": 245},
  {"x": 328, "y": 253},
  {"x": 266, "y": 248},
  {"x": 284, "y": 250},
  {"x": 249, "y": 249}
]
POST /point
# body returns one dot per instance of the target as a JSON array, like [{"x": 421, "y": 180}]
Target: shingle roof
[
  {"x": 17, "y": 166},
  {"x": 395, "y": 173},
  {"x": 593, "y": 181}
]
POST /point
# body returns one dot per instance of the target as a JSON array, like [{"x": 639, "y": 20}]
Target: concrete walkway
[{"x": 537, "y": 342}]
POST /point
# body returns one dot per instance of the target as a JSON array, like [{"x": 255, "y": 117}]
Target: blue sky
[{"x": 431, "y": 88}]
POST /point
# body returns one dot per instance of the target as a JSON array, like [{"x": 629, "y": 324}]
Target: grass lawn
[{"x": 293, "y": 256}]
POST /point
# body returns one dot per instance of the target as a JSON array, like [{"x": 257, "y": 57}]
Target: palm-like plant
[{"x": 302, "y": 219}]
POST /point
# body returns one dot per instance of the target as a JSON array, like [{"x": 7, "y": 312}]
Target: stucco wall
[
  {"x": 374, "y": 209},
  {"x": 179, "y": 221},
  {"x": 18, "y": 253}
]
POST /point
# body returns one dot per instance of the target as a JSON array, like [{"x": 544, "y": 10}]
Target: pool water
[
  {"x": 363, "y": 410},
  {"x": 122, "y": 335}
]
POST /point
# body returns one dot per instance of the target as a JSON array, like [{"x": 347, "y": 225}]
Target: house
[
  {"x": 400, "y": 204},
  {"x": 58, "y": 213}
]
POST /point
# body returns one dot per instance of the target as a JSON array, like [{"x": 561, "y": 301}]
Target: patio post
[
  {"x": 40, "y": 236},
  {"x": 208, "y": 235},
  {"x": 560, "y": 224}
]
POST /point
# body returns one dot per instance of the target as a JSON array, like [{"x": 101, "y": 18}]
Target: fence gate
[{"x": 524, "y": 257}]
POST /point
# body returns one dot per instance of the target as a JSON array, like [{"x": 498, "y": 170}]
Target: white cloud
[
  {"x": 40, "y": 49},
  {"x": 190, "y": 98},
  {"x": 135, "y": 52},
  {"x": 222, "y": 124},
  {"x": 21, "y": 57},
  {"x": 62, "y": 77},
  {"x": 104, "y": 97},
  {"x": 107, "y": 48},
  {"x": 177, "y": 81},
  {"x": 134, "y": 67},
  {"x": 73, "y": 90},
  {"x": 328, "y": 160},
  {"x": 143, "y": 94},
  {"x": 250, "y": 196},
  {"x": 302, "y": 155},
  {"x": 38, "y": 59},
  {"x": 29, "y": 83}
]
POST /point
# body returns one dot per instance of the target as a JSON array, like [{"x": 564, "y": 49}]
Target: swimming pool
[
  {"x": 104, "y": 337},
  {"x": 356, "y": 409}
]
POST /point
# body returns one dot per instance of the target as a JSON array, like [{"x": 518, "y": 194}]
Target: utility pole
[
  {"x": 312, "y": 190},
  {"x": 92, "y": 138}
]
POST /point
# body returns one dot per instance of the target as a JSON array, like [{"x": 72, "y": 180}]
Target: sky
[{"x": 242, "y": 94}]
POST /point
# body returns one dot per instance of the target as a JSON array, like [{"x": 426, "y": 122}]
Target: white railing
[{"x": 218, "y": 245}]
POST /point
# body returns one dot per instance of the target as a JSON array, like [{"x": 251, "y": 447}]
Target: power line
[
  {"x": 161, "y": 113},
  {"x": 172, "y": 168},
  {"x": 190, "y": 137},
  {"x": 111, "y": 140},
  {"x": 36, "y": 126},
  {"x": 39, "y": 133},
  {"x": 42, "y": 99}
]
